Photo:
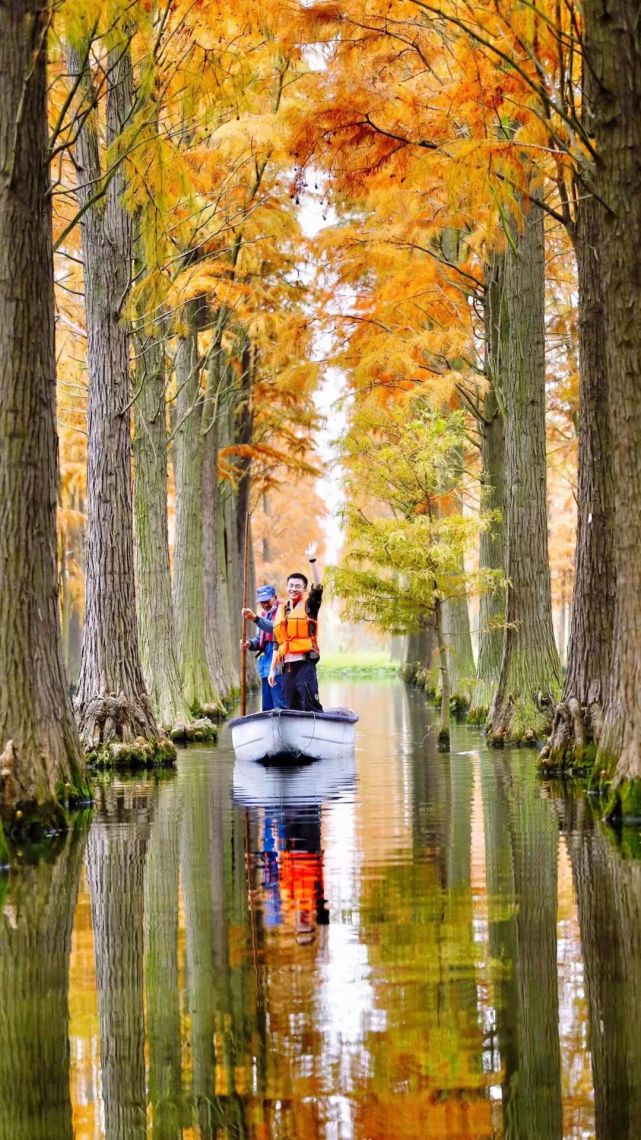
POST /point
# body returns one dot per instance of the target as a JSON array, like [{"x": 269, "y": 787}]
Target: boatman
[
  {"x": 296, "y": 633},
  {"x": 263, "y": 645}
]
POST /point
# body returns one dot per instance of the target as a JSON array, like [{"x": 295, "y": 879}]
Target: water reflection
[
  {"x": 403, "y": 944},
  {"x": 521, "y": 838},
  {"x": 608, "y": 891},
  {"x": 35, "y": 940},
  {"x": 116, "y": 855}
]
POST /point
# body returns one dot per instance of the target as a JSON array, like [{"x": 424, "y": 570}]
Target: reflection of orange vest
[
  {"x": 295, "y": 631},
  {"x": 301, "y": 879}
]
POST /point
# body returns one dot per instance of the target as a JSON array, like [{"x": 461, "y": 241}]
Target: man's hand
[
  {"x": 244, "y": 645},
  {"x": 271, "y": 679},
  {"x": 248, "y": 614},
  {"x": 310, "y": 551}
]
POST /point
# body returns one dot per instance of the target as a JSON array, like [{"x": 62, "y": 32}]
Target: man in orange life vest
[{"x": 296, "y": 633}]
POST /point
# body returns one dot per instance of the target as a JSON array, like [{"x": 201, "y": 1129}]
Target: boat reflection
[
  {"x": 283, "y": 839},
  {"x": 255, "y": 785}
]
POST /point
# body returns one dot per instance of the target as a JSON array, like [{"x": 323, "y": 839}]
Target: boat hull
[{"x": 290, "y": 736}]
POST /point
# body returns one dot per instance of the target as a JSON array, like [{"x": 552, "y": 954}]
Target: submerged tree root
[
  {"x": 31, "y": 823},
  {"x": 138, "y": 753},
  {"x": 119, "y": 733},
  {"x": 572, "y": 744},
  {"x": 200, "y": 730},
  {"x": 520, "y": 721}
]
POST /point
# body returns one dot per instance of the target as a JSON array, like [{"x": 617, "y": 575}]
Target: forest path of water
[{"x": 415, "y": 944}]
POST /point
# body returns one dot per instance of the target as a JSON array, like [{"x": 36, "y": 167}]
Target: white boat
[
  {"x": 277, "y": 787},
  {"x": 289, "y": 736}
]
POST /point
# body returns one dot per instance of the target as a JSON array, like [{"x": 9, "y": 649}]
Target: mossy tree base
[
  {"x": 572, "y": 744},
  {"x": 30, "y": 832},
  {"x": 459, "y": 706},
  {"x": 119, "y": 733},
  {"x": 29, "y": 824},
  {"x": 520, "y": 722},
  {"x": 624, "y": 802},
  {"x": 132, "y": 755},
  {"x": 421, "y": 678},
  {"x": 201, "y": 730}
]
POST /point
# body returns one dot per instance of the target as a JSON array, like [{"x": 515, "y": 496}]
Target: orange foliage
[{"x": 285, "y": 519}]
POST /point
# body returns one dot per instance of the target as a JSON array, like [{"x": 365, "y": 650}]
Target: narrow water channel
[{"x": 412, "y": 945}]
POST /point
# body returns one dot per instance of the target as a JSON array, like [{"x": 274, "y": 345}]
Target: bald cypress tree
[{"x": 40, "y": 752}]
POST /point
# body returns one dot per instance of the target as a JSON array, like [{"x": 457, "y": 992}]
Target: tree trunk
[
  {"x": 115, "y": 869},
  {"x": 218, "y": 640},
  {"x": 493, "y": 496},
  {"x": 418, "y": 653},
  {"x": 153, "y": 575},
  {"x": 579, "y": 718},
  {"x": 35, "y": 943},
  {"x": 444, "y": 721},
  {"x": 39, "y": 748},
  {"x": 530, "y": 679},
  {"x": 112, "y": 703},
  {"x": 189, "y": 591},
  {"x": 228, "y": 599},
  {"x": 460, "y": 657},
  {"x": 613, "y": 55}
]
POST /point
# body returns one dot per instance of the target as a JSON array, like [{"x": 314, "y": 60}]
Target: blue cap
[{"x": 264, "y": 593}]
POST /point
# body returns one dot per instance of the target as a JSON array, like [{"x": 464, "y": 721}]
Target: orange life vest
[{"x": 295, "y": 631}]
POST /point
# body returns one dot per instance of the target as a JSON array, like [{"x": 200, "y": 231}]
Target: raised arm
[{"x": 310, "y": 552}]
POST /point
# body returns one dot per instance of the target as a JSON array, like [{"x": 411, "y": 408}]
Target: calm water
[{"x": 418, "y": 945}]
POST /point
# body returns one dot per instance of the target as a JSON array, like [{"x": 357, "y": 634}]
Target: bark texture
[
  {"x": 613, "y": 55},
  {"x": 530, "y": 678},
  {"x": 579, "y": 718},
  {"x": 39, "y": 746},
  {"x": 110, "y": 665},
  {"x": 189, "y": 592},
  {"x": 460, "y": 656},
  {"x": 493, "y": 492},
  {"x": 418, "y": 652},
  {"x": 153, "y": 575},
  {"x": 218, "y": 640}
]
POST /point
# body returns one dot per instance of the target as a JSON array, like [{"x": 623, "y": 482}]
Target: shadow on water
[{"x": 402, "y": 944}]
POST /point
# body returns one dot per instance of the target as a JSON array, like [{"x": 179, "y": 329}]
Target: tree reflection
[
  {"x": 608, "y": 890},
  {"x": 35, "y": 943},
  {"x": 161, "y": 930},
  {"x": 521, "y": 859},
  {"x": 116, "y": 856}
]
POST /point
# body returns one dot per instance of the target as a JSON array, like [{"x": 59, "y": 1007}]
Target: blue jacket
[{"x": 263, "y": 646}]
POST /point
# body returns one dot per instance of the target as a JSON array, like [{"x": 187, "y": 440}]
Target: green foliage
[
  {"x": 357, "y": 665},
  {"x": 406, "y": 533}
]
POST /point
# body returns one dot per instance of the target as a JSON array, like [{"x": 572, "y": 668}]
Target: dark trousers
[
  {"x": 273, "y": 698},
  {"x": 301, "y": 686}
]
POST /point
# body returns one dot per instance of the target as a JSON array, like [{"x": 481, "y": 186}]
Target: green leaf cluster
[{"x": 406, "y": 529}]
